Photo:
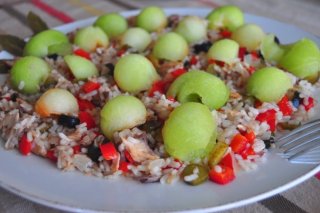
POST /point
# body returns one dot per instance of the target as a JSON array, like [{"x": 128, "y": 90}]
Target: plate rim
[{"x": 226, "y": 206}]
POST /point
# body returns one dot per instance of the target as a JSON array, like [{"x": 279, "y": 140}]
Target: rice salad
[{"x": 157, "y": 98}]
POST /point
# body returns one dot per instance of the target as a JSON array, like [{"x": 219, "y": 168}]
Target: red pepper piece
[
  {"x": 157, "y": 86},
  {"x": 128, "y": 156},
  {"x": 25, "y": 145},
  {"x": 193, "y": 60},
  {"x": 76, "y": 149},
  {"x": 254, "y": 55},
  {"x": 250, "y": 136},
  {"x": 82, "y": 53},
  {"x": 108, "y": 151},
  {"x": 90, "y": 86},
  {"x": 257, "y": 104},
  {"x": 268, "y": 116},
  {"x": 284, "y": 106},
  {"x": 176, "y": 73},
  {"x": 227, "y": 161},
  {"x": 85, "y": 117},
  {"x": 308, "y": 105},
  {"x": 124, "y": 166},
  {"x": 251, "y": 69},
  {"x": 247, "y": 152},
  {"x": 219, "y": 63},
  {"x": 223, "y": 177},
  {"x": 121, "y": 52},
  {"x": 85, "y": 105},
  {"x": 238, "y": 143},
  {"x": 225, "y": 33},
  {"x": 170, "y": 98},
  {"x": 242, "y": 52},
  {"x": 51, "y": 156}
]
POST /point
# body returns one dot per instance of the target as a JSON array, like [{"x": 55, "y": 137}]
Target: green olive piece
[
  {"x": 90, "y": 38},
  {"x": 217, "y": 153},
  {"x": 195, "y": 169},
  {"x": 38, "y": 45},
  {"x": 135, "y": 73},
  {"x": 228, "y": 16},
  {"x": 136, "y": 38},
  {"x": 171, "y": 46},
  {"x": 225, "y": 50},
  {"x": 152, "y": 19},
  {"x": 199, "y": 86},
  {"x": 269, "y": 84},
  {"x": 80, "y": 67},
  {"x": 112, "y": 24},
  {"x": 122, "y": 112},
  {"x": 190, "y": 132},
  {"x": 249, "y": 36},
  {"x": 28, "y": 73},
  {"x": 192, "y": 28}
]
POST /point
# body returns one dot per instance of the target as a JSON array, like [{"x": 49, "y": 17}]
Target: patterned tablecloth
[{"x": 303, "y": 13}]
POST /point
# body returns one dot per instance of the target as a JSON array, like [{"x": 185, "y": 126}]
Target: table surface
[{"x": 305, "y": 14}]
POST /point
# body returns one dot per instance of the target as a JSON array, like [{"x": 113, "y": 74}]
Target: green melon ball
[
  {"x": 269, "y": 84},
  {"x": 192, "y": 28},
  {"x": 152, "y": 19},
  {"x": 137, "y": 38},
  {"x": 189, "y": 132},
  {"x": 38, "y": 45},
  {"x": 90, "y": 38},
  {"x": 199, "y": 86},
  {"x": 28, "y": 73},
  {"x": 171, "y": 46},
  {"x": 302, "y": 59},
  {"x": 122, "y": 112},
  {"x": 249, "y": 36},
  {"x": 229, "y": 17},
  {"x": 112, "y": 24},
  {"x": 270, "y": 49},
  {"x": 225, "y": 50},
  {"x": 135, "y": 73},
  {"x": 80, "y": 67}
]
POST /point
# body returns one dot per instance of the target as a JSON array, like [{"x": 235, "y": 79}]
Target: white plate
[{"x": 38, "y": 180}]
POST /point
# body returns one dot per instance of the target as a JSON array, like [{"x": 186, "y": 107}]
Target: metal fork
[{"x": 301, "y": 145}]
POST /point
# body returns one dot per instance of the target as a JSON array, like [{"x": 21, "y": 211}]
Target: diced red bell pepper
[
  {"x": 124, "y": 166},
  {"x": 76, "y": 149},
  {"x": 217, "y": 62},
  {"x": 238, "y": 143},
  {"x": 128, "y": 156},
  {"x": 225, "y": 33},
  {"x": 25, "y": 145},
  {"x": 225, "y": 176},
  {"x": 121, "y": 52},
  {"x": 257, "y": 104},
  {"x": 170, "y": 98},
  {"x": 254, "y": 55},
  {"x": 193, "y": 60},
  {"x": 284, "y": 106},
  {"x": 250, "y": 136},
  {"x": 85, "y": 117},
  {"x": 51, "y": 156},
  {"x": 251, "y": 69},
  {"x": 108, "y": 151},
  {"x": 85, "y": 105},
  {"x": 90, "y": 86},
  {"x": 82, "y": 53},
  {"x": 227, "y": 161},
  {"x": 247, "y": 152},
  {"x": 176, "y": 73},
  {"x": 268, "y": 116},
  {"x": 242, "y": 52},
  {"x": 157, "y": 86},
  {"x": 308, "y": 105}
]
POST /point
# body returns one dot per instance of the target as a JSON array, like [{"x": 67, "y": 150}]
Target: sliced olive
[
  {"x": 194, "y": 174},
  {"x": 217, "y": 153}
]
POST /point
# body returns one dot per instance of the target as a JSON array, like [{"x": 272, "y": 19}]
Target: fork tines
[{"x": 302, "y": 145}]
